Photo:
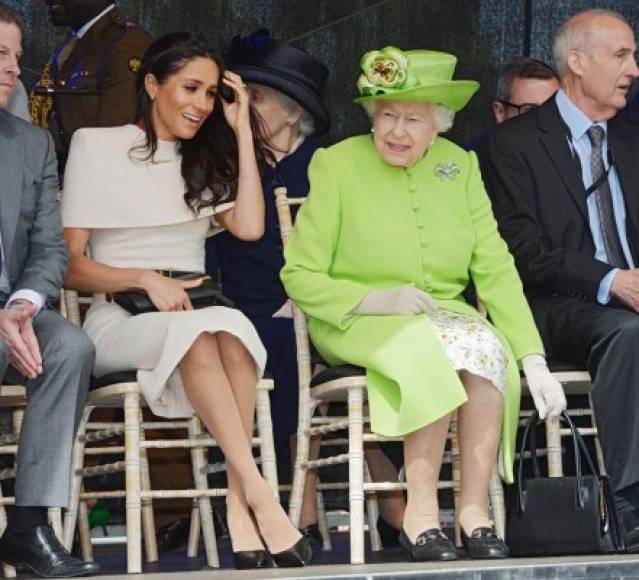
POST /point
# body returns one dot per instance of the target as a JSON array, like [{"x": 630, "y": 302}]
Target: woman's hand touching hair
[{"x": 237, "y": 111}]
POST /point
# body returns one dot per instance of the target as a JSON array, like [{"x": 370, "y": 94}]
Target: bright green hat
[{"x": 413, "y": 75}]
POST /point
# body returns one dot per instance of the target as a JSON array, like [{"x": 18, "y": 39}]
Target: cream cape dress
[{"x": 138, "y": 219}]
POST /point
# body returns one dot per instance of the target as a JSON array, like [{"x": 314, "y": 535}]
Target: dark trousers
[
  {"x": 278, "y": 338},
  {"x": 605, "y": 340}
]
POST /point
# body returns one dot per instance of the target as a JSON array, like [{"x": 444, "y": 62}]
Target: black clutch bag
[
  {"x": 561, "y": 515},
  {"x": 208, "y": 293}
]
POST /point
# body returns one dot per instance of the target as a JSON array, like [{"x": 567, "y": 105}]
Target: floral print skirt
[{"x": 472, "y": 346}]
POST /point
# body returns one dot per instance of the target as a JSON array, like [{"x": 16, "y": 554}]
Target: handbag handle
[
  {"x": 579, "y": 447},
  {"x": 609, "y": 511}
]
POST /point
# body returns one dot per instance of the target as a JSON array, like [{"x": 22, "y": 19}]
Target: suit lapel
[
  {"x": 624, "y": 143},
  {"x": 554, "y": 136},
  {"x": 12, "y": 163}
]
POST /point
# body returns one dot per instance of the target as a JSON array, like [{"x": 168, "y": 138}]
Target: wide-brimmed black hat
[{"x": 258, "y": 58}]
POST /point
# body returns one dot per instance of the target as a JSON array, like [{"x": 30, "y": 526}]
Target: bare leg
[
  {"x": 209, "y": 389},
  {"x": 391, "y": 503},
  {"x": 479, "y": 422},
  {"x": 423, "y": 453},
  {"x": 240, "y": 370}
]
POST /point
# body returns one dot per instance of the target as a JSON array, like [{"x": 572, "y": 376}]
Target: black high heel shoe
[
  {"x": 431, "y": 545},
  {"x": 484, "y": 544},
  {"x": 300, "y": 554},
  {"x": 249, "y": 559}
]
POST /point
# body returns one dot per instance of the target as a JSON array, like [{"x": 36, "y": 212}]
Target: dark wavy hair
[{"x": 210, "y": 158}]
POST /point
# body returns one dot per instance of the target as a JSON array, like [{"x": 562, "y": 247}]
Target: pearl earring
[{"x": 372, "y": 129}]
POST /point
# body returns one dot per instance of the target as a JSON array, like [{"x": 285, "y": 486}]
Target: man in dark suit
[
  {"x": 90, "y": 79},
  {"x": 564, "y": 182},
  {"x": 38, "y": 347}
]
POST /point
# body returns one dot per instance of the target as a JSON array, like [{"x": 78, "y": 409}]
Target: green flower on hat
[{"x": 385, "y": 71}]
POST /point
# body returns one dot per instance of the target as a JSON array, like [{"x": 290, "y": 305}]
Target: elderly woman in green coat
[{"x": 396, "y": 226}]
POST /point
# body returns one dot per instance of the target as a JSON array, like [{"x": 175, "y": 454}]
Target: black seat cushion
[
  {"x": 334, "y": 373},
  {"x": 562, "y": 366},
  {"x": 125, "y": 377},
  {"x": 113, "y": 378}
]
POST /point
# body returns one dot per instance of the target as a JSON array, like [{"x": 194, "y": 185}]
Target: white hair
[
  {"x": 579, "y": 33},
  {"x": 443, "y": 117},
  {"x": 305, "y": 122}
]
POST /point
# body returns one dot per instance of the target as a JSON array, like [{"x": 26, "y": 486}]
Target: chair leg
[
  {"x": 133, "y": 482},
  {"x": 553, "y": 444},
  {"x": 299, "y": 476},
  {"x": 372, "y": 513},
  {"x": 356, "y": 474},
  {"x": 322, "y": 522},
  {"x": 456, "y": 468},
  {"x": 194, "y": 532},
  {"x": 9, "y": 571},
  {"x": 85, "y": 532},
  {"x": 265, "y": 433},
  {"x": 148, "y": 519},
  {"x": 198, "y": 460},
  {"x": 77, "y": 462},
  {"x": 497, "y": 504},
  {"x": 600, "y": 458}
]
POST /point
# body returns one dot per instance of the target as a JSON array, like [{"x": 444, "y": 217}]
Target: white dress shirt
[{"x": 23, "y": 293}]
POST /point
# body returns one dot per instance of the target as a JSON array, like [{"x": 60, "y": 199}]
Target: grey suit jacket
[{"x": 30, "y": 222}]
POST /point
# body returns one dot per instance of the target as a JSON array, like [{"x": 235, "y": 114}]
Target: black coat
[
  {"x": 250, "y": 271},
  {"x": 539, "y": 200}
]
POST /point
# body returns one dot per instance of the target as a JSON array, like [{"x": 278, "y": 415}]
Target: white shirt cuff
[
  {"x": 603, "y": 295},
  {"x": 26, "y": 294}
]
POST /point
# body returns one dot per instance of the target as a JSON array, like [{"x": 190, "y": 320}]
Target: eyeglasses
[{"x": 523, "y": 108}]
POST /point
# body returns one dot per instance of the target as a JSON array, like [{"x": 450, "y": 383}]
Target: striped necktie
[{"x": 603, "y": 198}]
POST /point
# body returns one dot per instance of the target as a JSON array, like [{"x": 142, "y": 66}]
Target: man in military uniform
[{"x": 89, "y": 81}]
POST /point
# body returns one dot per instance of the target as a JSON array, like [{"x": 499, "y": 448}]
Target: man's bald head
[
  {"x": 581, "y": 33},
  {"x": 595, "y": 58}
]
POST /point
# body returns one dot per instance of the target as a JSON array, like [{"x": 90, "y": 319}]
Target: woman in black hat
[{"x": 285, "y": 87}]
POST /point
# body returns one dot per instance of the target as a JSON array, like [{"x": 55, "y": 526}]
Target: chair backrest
[{"x": 283, "y": 203}]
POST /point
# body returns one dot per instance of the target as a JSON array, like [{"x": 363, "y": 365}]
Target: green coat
[{"x": 368, "y": 225}]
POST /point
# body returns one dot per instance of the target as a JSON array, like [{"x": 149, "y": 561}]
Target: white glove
[
  {"x": 404, "y": 300},
  {"x": 546, "y": 390}
]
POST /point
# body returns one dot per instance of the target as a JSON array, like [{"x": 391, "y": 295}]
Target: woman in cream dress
[{"x": 143, "y": 198}]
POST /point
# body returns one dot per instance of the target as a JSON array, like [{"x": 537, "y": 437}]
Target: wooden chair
[
  {"x": 576, "y": 381},
  {"x": 14, "y": 397},
  {"x": 348, "y": 384},
  {"x": 121, "y": 390}
]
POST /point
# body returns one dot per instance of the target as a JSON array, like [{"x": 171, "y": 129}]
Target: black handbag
[
  {"x": 561, "y": 515},
  {"x": 208, "y": 293}
]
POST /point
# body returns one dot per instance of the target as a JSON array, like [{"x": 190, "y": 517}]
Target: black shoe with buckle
[
  {"x": 484, "y": 544},
  {"x": 39, "y": 550},
  {"x": 431, "y": 545}
]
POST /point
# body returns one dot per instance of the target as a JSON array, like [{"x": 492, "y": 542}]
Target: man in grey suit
[{"x": 38, "y": 347}]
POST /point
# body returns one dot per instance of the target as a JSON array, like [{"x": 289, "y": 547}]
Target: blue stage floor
[{"x": 386, "y": 565}]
